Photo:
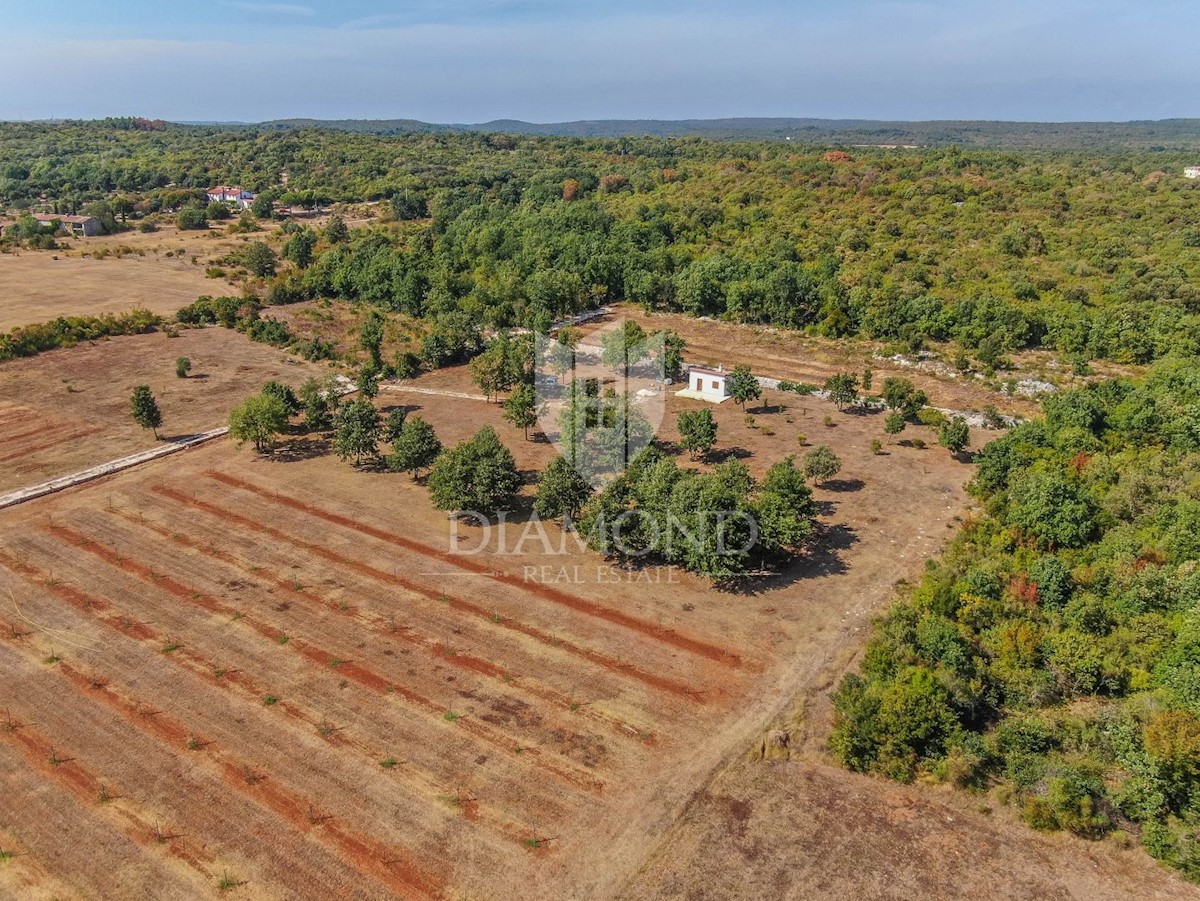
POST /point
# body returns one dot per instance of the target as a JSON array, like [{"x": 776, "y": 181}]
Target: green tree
[
  {"x": 415, "y": 447},
  {"x": 145, "y": 409},
  {"x": 561, "y": 357},
  {"x": 182, "y": 367},
  {"x": 395, "y": 423},
  {"x": 1051, "y": 509},
  {"x": 356, "y": 430},
  {"x": 842, "y": 389},
  {"x": 561, "y": 491},
  {"x": 260, "y": 259},
  {"x": 521, "y": 408},
  {"x": 671, "y": 355},
  {"x": 217, "y": 212},
  {"x": 367, "y": 381},
  {"x": 259, "y": 419},
  {"x": 743, "y": 386},
  {"x": 821, "y": 464},
  {"x": 697, "y": 432},
  {"x": 492, "y": 371},
  {"x": 299, "y": 248},
  {"x": 263, "y": 207},
  {"x": 902, "y": 396},
  {"x": 954, "y": 435},
  {"x": 318, "y": 401},
  {"x": 785, "y": 510},
  {"x": 285, "y": 395},
  {"x": 625, "y": 347},
  {"x": 191, "y": 218},
  {"x": 336, "y": 231},
  {"x": 478, "y": 475},
  {"x": 894, "y": 423}
]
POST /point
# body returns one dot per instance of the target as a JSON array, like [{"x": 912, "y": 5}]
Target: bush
[
  {"x": 67, "y": 331},
  {"x": 182, "y": 367},
  {"x": 191, "y": 218}
]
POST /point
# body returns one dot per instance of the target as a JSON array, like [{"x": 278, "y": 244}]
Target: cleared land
[
  {"x": 235, "y": 646},
  {"x": 37, "y": 286},
  {"x": 68, "y": 409},
  {"x": 273, "y": 675}
]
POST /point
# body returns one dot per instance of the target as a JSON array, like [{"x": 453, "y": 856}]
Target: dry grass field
[
  {"x": 271, "y": 672},
  {"x": 69, "y": 409},
  {"x": 37, "y": 286},
  {"x": 269, "y": 677}
]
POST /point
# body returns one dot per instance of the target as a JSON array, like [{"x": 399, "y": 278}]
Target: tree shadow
[
  {"x": 301, "y": 448},
  {"x": 822, "y": 557},
  {"x": 725, "y": 454},
  {"x": 407, "y": 408},
  {"x": 842, "y": 486},
  {"x": 824, "y": 554}
]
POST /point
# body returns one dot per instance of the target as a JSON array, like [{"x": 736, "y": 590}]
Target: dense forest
[
  {"x": 1055, "y": 650},
  {"x": 1095, "y": 255}
]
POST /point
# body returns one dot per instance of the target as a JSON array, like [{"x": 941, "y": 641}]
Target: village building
[
  {"x": 87, "y": 226},
  {"x": 1191, "y": 172},
  {"x": 231, "y": 194},
  {"x": 706, "y": 384}
]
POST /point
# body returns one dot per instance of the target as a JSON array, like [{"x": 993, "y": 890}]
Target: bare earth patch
[
  {"x": 285, "y": 674},
  {"x": 68, "y": 409}
]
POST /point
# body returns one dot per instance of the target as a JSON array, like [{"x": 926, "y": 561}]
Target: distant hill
[{"x": 1165, "y": 134}]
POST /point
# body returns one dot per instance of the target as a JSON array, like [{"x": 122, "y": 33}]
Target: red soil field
[{"x": 271, "y": 677}]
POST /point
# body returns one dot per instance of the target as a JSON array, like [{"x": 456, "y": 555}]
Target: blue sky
[{"x": 473, "y": 60}]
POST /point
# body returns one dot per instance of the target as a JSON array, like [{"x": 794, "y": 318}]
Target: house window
[{"x": 716, "y": 385}]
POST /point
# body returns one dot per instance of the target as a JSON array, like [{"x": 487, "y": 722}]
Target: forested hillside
[
  {"x": 1094, "y": 255},
  {"x": 1055, "y": 649}
]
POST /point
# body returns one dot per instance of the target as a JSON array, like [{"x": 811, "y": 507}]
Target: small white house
[
  {"x": 1191, "y": 172},
  {"x": 227, "y": 194},
  {"x": 706, "y": 384}
]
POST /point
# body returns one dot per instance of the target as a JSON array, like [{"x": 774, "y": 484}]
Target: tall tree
[
  {"x": 561, "y": 491},
  {"x": 260, "y": 259},
  {"x": 318, "y": 401},
  {"x": 356, "y": 430},
  {"x": 299, "y": 248},
  {"x": 370, "y": 338},
  {"x": 842, "y": 389},
  {"x": 478, "y": 475},
  {"x": 743, "y": 386},
  {"x": 260, "y": 419},
  {"x": 521, "y": 408},
  {"x": 145, "y": 409},
  {"x": 336, "y": 231},
  {"x": 492, "y": 371},
  {"x": 954, "y": 435},
  {"x": 821, "y": 464},
  {"x": 894, "y": 423},
  {"x": 697, "y": 432},
  {"x": 415, "y": 447}
]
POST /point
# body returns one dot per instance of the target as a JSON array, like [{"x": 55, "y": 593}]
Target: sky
[{"x": 466, "y": 61}]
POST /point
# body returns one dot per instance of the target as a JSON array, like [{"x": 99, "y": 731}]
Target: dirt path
[{"x": 106, "y": 469}]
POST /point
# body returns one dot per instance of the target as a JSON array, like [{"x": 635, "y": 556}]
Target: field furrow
[
  {"x": 332, "y": 661},
  {"x": 432, "y": 787},
  {"x": 549, "y": 593},
  {"x": 441, "y": 649},
  {"x": 613, "y": 664}
]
